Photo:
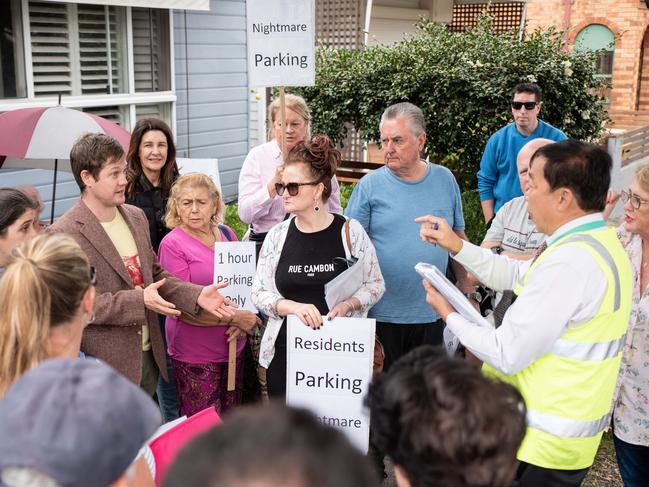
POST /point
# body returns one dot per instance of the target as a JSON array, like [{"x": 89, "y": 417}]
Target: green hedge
[{"x": 463, "y": 84}]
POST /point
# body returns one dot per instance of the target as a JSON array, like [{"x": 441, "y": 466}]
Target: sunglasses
[
  {"x": 529, "y": 105},
  {"x": 292, "y": 188},
  {"x": 93, "y": 276},
  {"x": 636, "y": 201},
  {"x": 345, "y": 263}
]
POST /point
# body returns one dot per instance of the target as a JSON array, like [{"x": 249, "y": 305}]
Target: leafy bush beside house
[{"x": 462, "y": 82}]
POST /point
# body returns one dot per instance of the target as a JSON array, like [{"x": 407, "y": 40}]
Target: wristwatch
[
  {"x": 475, "y": 295},
  {"x": 498, "y": 249}
]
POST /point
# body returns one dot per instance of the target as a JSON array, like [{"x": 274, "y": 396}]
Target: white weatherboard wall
[
  {"x": 211, "y": 86},
  {"x": 390, "y": 24}
]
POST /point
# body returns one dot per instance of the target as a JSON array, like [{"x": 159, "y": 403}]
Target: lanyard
[{"x": 582, "y": 228}]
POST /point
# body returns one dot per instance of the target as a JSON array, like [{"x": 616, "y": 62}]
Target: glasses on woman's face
[
  {"x": 292, "y": 188},
  {"x": 93, "y": 276},
  {"x": 636, "y": 201}
]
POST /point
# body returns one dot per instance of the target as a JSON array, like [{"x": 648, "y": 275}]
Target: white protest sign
[
  {"x": 280, "y": 42},
  {"x": 328, "y": 372},
  {"x": 234, "y": 263},
  {"x": 209, "y": 167}
]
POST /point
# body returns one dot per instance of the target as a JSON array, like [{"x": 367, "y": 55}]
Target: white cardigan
[{"x": 265, "y": 295}]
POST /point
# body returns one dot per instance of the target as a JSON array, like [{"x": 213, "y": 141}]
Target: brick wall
[{"x": 627, "y": 19}]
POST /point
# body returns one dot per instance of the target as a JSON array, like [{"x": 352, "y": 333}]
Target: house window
[
  {"x": 597, "y": 37},
  {"x": 12, "y": 58},
  {"x": 88, "y": 54},
  {"x": 151, "y": 49},
  {"x": 157, "y": 110},
  {"x": 78, "y": 49}
]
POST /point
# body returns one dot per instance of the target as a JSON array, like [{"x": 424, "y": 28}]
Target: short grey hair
[{"x": 412, "y": 113}]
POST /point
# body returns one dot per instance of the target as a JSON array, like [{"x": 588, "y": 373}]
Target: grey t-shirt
[{"x": 513, "y": 227}]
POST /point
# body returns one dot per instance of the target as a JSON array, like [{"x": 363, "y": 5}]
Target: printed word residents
[
  {"x": 282, "y": 60},
  {"x": 329, "y": 345},
  {"x": 271, "y": 28},
  {"x": 328, "y": 381}
]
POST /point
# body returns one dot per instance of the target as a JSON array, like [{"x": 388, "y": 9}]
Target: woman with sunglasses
[
  {"x": 301, "y": 254},
  {"x": 260, "y": 206},
  {"x": 48, "y": 298},
  {"x": 631, "y": 405}
]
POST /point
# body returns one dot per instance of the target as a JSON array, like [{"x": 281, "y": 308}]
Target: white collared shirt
[{"x": 566, "y": 289}]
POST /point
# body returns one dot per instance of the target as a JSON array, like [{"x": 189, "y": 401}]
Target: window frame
[
  {"x": 605, "y": 76},
  {"x": 130, "y": 99}
]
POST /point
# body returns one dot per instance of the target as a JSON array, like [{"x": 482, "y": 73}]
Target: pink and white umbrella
[{"x": 41, "y": 137}]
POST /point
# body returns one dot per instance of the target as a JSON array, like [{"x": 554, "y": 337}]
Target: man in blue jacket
[{"x": 498, "y": 178}]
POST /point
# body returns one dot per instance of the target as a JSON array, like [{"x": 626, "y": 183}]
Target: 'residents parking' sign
[{"x": 280, "y": 42}]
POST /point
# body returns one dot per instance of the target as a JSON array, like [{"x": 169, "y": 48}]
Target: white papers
[
  {"x": 455, "y": 297},
  {"x": 345, "y": 284},
  {"x": 451, "y": 293}
]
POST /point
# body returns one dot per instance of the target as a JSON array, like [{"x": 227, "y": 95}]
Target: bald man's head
[{"x": 524, "y": 157}]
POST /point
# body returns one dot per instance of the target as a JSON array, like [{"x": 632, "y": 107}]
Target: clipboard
[{"x": 455, "y": 297}]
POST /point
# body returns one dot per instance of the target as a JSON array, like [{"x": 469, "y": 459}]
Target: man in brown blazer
[{"x": 131, "y": 285}]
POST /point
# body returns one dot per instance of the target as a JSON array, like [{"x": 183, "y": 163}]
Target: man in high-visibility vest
[{"x": 561, "y": 341}]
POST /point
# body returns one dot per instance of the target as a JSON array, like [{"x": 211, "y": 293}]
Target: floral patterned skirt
[{"x": 202, "y": 385}]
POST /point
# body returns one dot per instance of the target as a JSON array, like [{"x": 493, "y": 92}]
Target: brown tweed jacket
[{"x": 115, "y": 336}]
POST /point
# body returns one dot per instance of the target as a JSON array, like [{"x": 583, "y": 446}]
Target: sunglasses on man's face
[
  {"x": 529, "y": 105},
  {"x": 292, "y": 188}
]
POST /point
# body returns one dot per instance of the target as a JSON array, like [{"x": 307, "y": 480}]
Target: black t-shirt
[{"x": 307, "y": 263}]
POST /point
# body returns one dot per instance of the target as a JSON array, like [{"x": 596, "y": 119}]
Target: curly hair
[
  {"x": 193, "y": 180},
  {"x": 444, "y": 423},
  {"x": 322, "y": 158}
]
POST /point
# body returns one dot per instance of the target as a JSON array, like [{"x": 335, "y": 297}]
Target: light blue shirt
[
  {"x": 387, "y": 206},
  {"x": 498, "y": 175}
]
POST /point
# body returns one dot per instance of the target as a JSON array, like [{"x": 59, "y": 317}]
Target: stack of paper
[{"x": 455, "y": 297}]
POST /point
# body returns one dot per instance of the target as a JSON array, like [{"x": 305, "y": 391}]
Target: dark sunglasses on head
[
  {"x": 529, "y": 105},
  {"x": 292, "y": 188},
  {"x": 93, "y": 276}
]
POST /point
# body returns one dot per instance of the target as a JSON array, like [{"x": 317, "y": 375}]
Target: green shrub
[
  {"x": 473, "y": 219},
  {"x": 345, "y": 193},
  {"x": 463, "y": 84},
  {"x": 232, "y": 220}
]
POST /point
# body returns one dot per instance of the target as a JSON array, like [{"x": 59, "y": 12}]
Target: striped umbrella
[{"x": 41, "y": 137}]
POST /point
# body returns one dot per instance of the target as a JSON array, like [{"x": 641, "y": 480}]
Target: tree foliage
[{"x": 462, "y": 82}]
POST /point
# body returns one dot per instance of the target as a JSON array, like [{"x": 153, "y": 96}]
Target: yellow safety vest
[{"x": 568, "y": 392}]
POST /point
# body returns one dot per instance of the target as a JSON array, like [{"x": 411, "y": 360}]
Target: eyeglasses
[
  {"x": 292, "y": 188},
  {"x": 636, "y": 201},
  {"x": 93, "y": 276},
  {"x": 529, "y": 105}
]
